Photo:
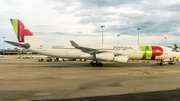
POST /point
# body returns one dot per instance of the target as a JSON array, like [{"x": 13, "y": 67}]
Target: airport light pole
[
  {"x": 165, "y": 40},
  {"x": 138, "y": 34},
  {"x": 3, "y": 46},
  {"x": 102, "y": 32},
  {"x": 118, "y": 39}
]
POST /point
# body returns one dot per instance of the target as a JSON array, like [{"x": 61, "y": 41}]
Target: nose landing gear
[{"x": 161, "y": 62}]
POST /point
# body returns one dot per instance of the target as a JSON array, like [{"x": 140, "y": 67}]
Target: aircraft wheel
[
  {"x": 100, "y": 64},
  {"x": 91, "y": 63},
  {"x": 161, "y": 64}
]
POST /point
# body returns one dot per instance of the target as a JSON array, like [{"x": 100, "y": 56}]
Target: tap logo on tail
[{"x": 20, "y": 29}]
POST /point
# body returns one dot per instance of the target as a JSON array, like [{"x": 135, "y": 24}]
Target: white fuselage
[{"x": 132, "y": 51}]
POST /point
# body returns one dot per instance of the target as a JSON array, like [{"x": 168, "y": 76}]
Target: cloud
[
  {"x": 59, "y": 33},
  {"x": 105, "y": 3},
  {"x": 95, "y": 20},
  {"x": 124, "y": 16},
  {"x": 79, "y": 33},
  {"x": 83, "y": 18},
  {"x": 43, "y": 26},
  {"x": 174, "y": 8}
]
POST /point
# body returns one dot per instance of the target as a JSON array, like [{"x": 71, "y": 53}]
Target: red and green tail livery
[
  {"x": 20, "y": 29},
  {"x": 175, "y": 46}
]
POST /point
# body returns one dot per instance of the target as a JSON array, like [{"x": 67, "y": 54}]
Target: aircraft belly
[
  {"x": 69, "y": 54},
  {"x": 63, "y": 54},
  {"x": 131, "y": 54}
]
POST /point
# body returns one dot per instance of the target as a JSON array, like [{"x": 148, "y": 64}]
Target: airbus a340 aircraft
[{"x": 116, "y": 53}]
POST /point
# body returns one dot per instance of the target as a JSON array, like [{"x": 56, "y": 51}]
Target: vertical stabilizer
[
  {"x": 175, "y": 46},
  {"x": 23, "y": 34}
]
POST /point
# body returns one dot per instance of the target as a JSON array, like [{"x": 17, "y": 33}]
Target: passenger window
[{"x": 157, "y": 50}]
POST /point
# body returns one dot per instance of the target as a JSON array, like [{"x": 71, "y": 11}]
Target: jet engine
[
  {"x": 105, "y": 56},
  {"x": 121, "y": 58},
  {"x": 111, "y": 57}
]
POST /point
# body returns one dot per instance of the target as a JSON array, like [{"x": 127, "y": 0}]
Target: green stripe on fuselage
[
  {"x": 146, "y": 51},
  {"x": 14, "y": 23}
]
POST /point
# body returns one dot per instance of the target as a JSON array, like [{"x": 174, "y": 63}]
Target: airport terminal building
[{"x": 15, "y": 51}]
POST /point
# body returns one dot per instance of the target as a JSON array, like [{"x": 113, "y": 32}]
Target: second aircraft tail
[{"x": 175, "y": 46}]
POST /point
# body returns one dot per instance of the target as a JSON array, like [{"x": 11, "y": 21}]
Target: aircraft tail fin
[
  {"x": 23, "y": 34},
  {"x": 175, "y": 46}
]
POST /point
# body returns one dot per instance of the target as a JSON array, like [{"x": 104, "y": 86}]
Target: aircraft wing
[
  {"x": 26, "y": 45},
  {"x": 86, "y": 49}
]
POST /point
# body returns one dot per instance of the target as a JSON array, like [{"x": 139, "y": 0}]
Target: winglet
[{"x": 74, "y": 44}]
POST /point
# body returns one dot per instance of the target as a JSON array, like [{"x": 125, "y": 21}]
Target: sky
[{"x": 59, "y": 21}]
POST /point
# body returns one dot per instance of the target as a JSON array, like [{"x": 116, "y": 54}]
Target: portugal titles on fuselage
[{"x": 122, "y": 47}]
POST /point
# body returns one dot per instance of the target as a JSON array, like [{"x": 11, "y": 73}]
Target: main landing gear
[{"x": 96, "y": 63}]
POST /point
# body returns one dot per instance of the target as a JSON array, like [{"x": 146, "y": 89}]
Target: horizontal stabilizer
[{"x": 26, "y": 45}]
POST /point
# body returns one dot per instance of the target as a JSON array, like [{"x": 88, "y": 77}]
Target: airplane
[
  {"x": 176, "y": 48},
  {"x": 115, "y": 53}
]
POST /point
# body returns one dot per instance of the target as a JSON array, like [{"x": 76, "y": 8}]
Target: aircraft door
[{"x": 63, "y": 54}]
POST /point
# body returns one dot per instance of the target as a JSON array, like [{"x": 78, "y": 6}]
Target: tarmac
[{"x": 30, "y": 80}]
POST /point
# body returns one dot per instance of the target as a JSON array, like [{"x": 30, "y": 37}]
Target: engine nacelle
[
  {"x": 121, "y": 58},
  {"x": 111, "y": 57},
  {"x": 105, "y": 56}
]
